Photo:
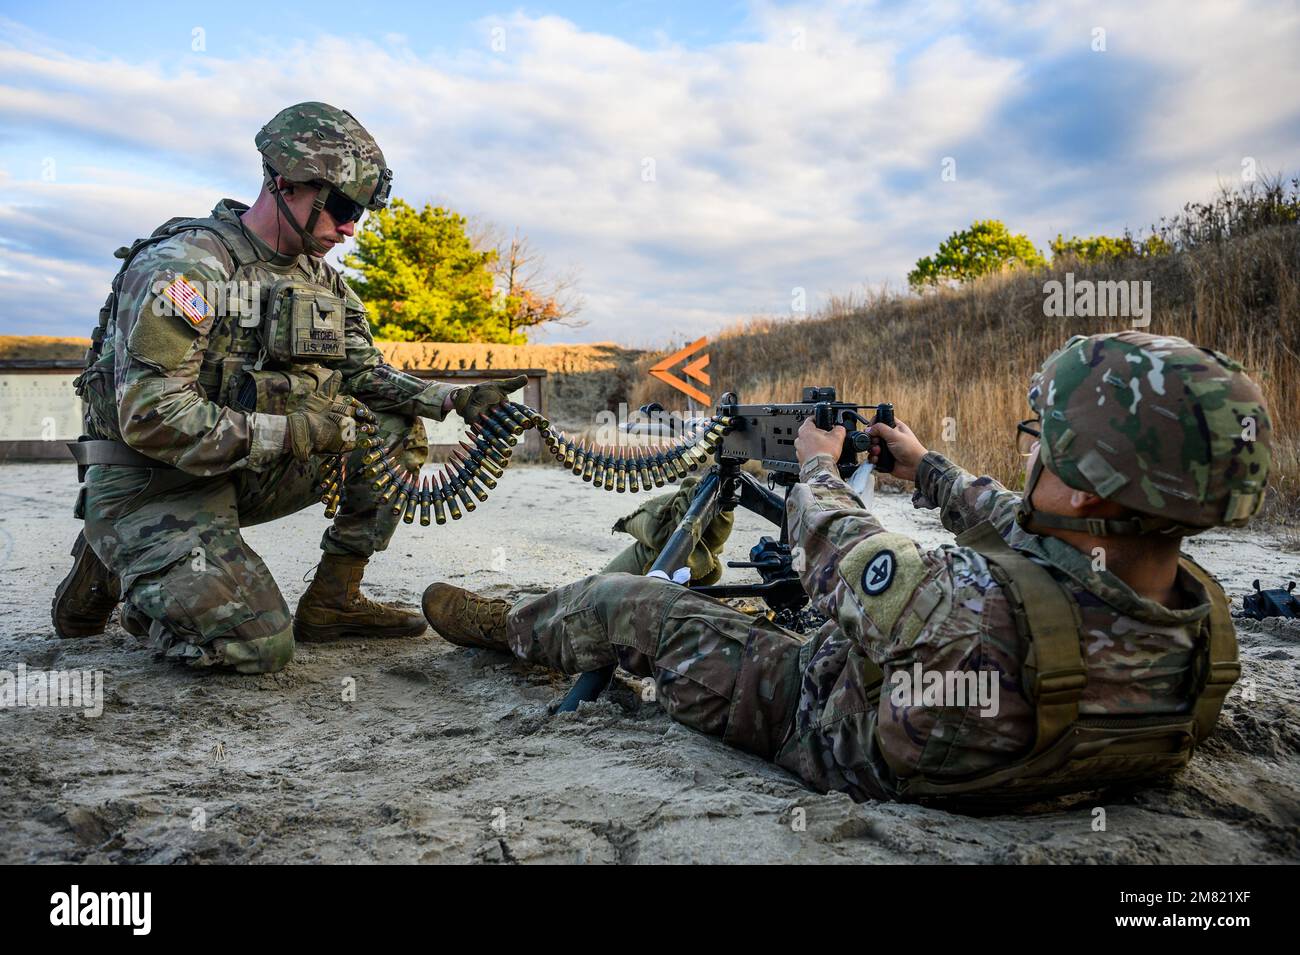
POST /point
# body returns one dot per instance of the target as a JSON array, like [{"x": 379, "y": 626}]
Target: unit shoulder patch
[
  {"x": 879, "y": 573},
  {"x": 884, "y": 572}
]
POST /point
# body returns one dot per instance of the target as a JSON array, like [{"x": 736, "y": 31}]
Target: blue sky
[{"x": 794, "y": 146}]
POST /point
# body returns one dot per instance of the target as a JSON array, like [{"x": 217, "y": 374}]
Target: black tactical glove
[{"x": 472, "y": 401}]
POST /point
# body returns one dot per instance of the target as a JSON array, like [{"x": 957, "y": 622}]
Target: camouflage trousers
[
  {"x": 716, "y": 670},
  {"x": 174, "y": 541},
  {"x": 808, "y": 703}
]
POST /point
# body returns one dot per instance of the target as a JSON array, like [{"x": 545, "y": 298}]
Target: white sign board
[{"x": 39, "y": 406}]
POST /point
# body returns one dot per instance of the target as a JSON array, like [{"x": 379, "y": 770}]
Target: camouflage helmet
[
  {"x": 316, "y": 142},
  {"x": 1155, "y": 424}
]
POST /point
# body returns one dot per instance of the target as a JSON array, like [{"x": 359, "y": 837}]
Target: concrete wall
[{"x": 39, "y": 412}]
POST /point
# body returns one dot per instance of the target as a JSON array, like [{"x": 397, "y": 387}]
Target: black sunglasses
[{"x": 342, "y": 209}]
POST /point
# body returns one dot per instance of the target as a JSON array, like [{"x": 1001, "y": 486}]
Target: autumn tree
[{"x": 527, "y": 294}]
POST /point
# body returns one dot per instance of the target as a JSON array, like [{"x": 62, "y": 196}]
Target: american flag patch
[{"x": 188, "y": 300}]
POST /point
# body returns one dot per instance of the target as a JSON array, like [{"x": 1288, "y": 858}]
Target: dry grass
[
  {"x": 42, "y": 347},
  {"x": 967, "y": 354},
  {"x": 580, "y": 381}
]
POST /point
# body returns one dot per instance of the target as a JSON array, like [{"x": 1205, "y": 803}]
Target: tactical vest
[
  {"x": 1072, "y": 753},
  {"x": 297, "y": 327}
]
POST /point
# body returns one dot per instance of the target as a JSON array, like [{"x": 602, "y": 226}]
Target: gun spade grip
[{"x": 885, "y": 459}]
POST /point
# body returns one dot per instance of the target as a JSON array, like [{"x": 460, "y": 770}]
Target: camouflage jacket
[
  {"x": 943, "y": 610},
  {"x": 172, "y": 367}
]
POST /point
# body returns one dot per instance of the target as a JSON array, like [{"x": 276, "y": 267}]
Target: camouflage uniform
[
  {"x": 170, "y": 396},
  {"x": 818, "y": 707}
]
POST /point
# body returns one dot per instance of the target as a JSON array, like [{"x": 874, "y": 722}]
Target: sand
[{"x": 417, "y": 751}]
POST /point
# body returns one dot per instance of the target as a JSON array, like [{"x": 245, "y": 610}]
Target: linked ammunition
[
  {"x": 332, "y": 505},
  {"x": 403, "y": 492},
  {"x": 495, "y": 430},
  {"x": 447, "y": 495},
  {"x": 540, "y": 423},
  {"x": 486, "y": 463},
  {"x": 479, "y": 461},
  {"x": 512, "y": 412},
  {"x": 439, "y": 513},
  {"x": 505, "y": 422},
  {"x": 466, "y": 475},
  {"x": 633, "y": 481},
  {"x": 458, "y": 486},
  {"x": 489, "y": 440}
]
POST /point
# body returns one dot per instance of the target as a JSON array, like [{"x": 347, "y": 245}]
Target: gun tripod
[{"x": 723, "y": 488}]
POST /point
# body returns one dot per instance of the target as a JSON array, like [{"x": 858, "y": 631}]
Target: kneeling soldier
[
  {"x": 1063, "y": 644},
  {"x": 230, "y": 370}
]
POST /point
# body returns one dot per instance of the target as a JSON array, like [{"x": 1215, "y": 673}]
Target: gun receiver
[{"x": 765, "y": 433}]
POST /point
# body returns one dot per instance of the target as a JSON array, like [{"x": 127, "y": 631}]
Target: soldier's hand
[
  {"x": 340, "y": 404},
  {"x": 320, "y": 432},
  {"x": 903, "y": 445},
  {"x": 812, "y": 441},
  {"x": 367, "y": 423},
  {"x": 472, "y": 401}
]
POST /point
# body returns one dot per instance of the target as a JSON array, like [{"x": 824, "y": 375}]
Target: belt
[{"x": 88, "y": 451}]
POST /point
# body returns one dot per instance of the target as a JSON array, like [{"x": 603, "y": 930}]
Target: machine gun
[
  {"x": 764, "y": 433},
  {"x": 734, "y": 435}
]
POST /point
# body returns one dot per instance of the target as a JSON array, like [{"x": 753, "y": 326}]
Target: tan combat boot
[
  {"x": 465, "y": 618},
  {"x": 86, "y": 598},
  {"x": 334, "y": 608}
]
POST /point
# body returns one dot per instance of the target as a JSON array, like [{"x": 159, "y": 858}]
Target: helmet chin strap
[
  {"x": 310, "y": 243},
  {"x": 1096, "y": 526}
]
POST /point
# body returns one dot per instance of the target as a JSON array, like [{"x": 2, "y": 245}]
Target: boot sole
[{"x": 328, "y": 632}]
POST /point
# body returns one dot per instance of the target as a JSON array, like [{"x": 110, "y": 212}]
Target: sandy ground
[{"x": 447, "y": 755}]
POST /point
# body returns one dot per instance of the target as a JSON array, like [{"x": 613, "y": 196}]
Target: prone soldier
[
  {"x": 230, "y": 370},
  {"x": 1106, "y": 653}
]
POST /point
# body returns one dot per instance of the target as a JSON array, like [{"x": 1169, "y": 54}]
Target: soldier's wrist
[
  {"x": 298, "y": 436},
  {"x": 268, "y": 439},
  {"x": 816, "y": 464}
]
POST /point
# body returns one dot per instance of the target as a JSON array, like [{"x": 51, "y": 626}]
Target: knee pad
[{"x": 259, "y": 655}]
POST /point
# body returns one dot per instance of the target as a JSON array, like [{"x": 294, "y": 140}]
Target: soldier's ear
[{"x": 1085, "y": 501}]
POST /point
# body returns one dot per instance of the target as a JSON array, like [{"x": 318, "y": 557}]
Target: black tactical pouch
[{"x": 303, "y": 323}]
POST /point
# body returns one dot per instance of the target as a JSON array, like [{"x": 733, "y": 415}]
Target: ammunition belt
[{"x": 476, "y": 469}]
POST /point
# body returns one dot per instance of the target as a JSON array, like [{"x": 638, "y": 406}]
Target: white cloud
[{"x": 809, "y": 156}]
